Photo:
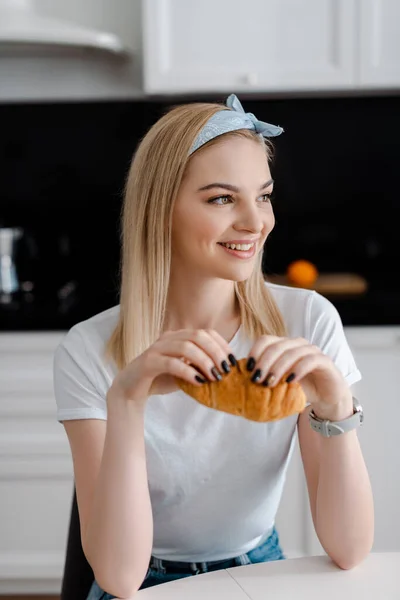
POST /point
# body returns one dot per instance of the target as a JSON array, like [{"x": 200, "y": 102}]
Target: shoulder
[
  {"x": 285, "y": 294},
  {"x": 296, "y": 306},
  {"x": 85, "y": 341},
  {"x": 305, "y": 311},
  {"x": 81, "y": 373},
  {"x": 310, "y": 315}
]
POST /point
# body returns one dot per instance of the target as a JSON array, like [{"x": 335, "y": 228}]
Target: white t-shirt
[{"x": 215, "y": 479}]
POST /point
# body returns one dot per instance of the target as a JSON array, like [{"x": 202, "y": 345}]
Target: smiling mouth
[
  {"x": 240, "y": 251},
  {"x": 240, "y": 247}
]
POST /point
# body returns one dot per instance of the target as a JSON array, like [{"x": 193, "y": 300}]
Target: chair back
[{"x": 78, "y": 575}]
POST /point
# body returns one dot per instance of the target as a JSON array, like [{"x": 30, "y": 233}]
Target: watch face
[{"x": 358, "y": 409}]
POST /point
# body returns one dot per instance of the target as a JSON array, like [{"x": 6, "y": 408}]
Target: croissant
[{"x": 238, "y": 395}]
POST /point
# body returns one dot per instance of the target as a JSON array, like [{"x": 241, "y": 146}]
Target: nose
[{"x": 249, "y": 218}]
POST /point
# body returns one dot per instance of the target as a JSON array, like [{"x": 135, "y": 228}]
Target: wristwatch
[{"x": 330, "y": 428}]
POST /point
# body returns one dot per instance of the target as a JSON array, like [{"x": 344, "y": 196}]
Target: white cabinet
[
  {"x": 219, "y": 45},
  {"x": 377, "y": 354},
  {"x": 380, "y": 43},
  {"x": 36, "y": 472},
  {"x": 270, "y": 45},
  {"x": 134, "y": 48}
]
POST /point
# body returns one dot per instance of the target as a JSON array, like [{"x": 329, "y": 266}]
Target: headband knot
[
  {"x": 224, "y": 121},
  {"x": 265, "y": 129}
]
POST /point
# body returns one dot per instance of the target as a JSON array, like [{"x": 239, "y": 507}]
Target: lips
[
  {"x": 240, "y": 241},
  {"x": 241, "y": 254},
  {"x": 237, "y": 246}
]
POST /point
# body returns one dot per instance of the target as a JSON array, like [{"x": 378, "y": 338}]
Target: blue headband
[{"x": 230, "y": 120}]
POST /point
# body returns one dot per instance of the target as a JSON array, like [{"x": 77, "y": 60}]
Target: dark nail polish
[
  {"x": 270, "y": 379},
  {"x": 199, "y": 379},
  {"x": 225, "y": 367},
  {"x": 290, "y": 378},
  {"x": 232, "y": 360},
  {"x": 251, "y": 363},
  {"x": 216, "y": 373},
  {"x": 256, "y": 375}
]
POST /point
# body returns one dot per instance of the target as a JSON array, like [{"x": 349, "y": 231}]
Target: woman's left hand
[{"x": 275, "y": 358}]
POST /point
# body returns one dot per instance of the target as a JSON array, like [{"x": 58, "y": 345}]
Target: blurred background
[{"x": 80, "y": 84}]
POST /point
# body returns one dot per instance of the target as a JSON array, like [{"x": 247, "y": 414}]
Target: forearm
[
  {"x": 344, "y": 507},
  {"x": 118, "y": 539}
]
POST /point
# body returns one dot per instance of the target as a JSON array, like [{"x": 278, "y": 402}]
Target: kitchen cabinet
[
  {"x": 272, "y": 45},
  {"x": 141, "y": 48},
  {"x": 36, "y": 471},
  {"x": 377, "y": 354},
  {"x": 379, "y": 43}
]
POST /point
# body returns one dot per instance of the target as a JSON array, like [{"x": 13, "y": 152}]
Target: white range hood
[{"x": 21, "y": 24}]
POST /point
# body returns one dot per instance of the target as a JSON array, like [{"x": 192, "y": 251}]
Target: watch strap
[{"x": 331, "y": 428}]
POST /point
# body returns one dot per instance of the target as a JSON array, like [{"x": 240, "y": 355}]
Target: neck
[{"x": 206, "y": 304}]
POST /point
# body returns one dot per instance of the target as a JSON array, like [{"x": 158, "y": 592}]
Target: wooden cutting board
[{"x": 330, "y": 284}]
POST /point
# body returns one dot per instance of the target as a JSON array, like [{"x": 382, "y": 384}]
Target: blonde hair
[{"x": 152, "y": 185}]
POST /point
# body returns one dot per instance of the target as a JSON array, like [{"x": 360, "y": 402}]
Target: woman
[{"x": 167, "y": 487}]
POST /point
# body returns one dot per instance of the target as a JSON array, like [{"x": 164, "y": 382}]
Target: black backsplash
[{"x": 63, "y": 168}]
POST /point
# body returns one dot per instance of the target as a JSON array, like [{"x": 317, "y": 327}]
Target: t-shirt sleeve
[
  {"x": 75, "y": 389},
  {"x": 326, "y": 331}
]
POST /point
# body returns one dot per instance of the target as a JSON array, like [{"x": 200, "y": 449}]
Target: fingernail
[
  {"x": 251, "y": 363},
  {"x": 270, "y": 379},
  {"x": 232, "y": 360},
  {"x": 291, "y": 377},
  {"x": 216, "y": 373},
  {"x": 256, "y": 375},
  {"x": 225, "y": 366},
  {"x": 199, "y": 379}
]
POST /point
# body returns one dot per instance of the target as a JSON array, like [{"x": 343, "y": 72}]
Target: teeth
[{"x": 244, "y": 247}]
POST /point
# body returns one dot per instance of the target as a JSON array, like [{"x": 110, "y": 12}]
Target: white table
[{"x": 311, "y": 578}]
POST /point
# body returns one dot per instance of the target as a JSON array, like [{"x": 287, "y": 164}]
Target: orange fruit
[{"x": 302, "y": 273}]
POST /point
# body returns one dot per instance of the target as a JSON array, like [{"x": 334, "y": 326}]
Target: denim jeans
[{"x": 268, "y": 551}]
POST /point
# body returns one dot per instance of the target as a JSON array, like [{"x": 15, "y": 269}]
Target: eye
[
  {"x": 268, "y": 197},
  {"x": 223, "y": 198}
]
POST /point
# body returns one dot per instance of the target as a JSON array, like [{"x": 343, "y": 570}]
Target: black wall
[{"x": 63, "y": 166}]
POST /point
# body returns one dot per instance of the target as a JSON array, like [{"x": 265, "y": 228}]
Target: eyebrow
[{"x": 232, "y": 188}]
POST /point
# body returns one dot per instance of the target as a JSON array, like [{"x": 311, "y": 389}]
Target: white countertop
[{"x": 311, "y": 578}]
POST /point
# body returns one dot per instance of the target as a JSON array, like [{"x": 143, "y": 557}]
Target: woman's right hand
[{"x": 195, "y": 355}]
